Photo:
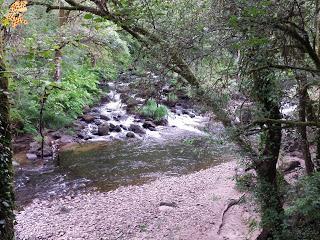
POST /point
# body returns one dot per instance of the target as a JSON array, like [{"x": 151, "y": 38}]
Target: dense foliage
[{"x": 90, "y": 54}]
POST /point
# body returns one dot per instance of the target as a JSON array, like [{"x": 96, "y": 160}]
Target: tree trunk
[
  {"x": 6, "y": 171},
  {"x": 311, "y": 116},
  {"x": 57, "y": 61},
  {"x": 58, "y": 52},
  {"x": 317, "y": 46},
  {"x": 268, "y": 192},
  {"x": 303, "y": 104},
  {"x": 303, "y": 134},
  {"x": 317, "y": 160}
]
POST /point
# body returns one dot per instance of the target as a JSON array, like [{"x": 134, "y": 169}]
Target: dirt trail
[{"x": 185, "y": 207}]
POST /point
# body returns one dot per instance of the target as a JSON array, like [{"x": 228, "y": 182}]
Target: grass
[{"x": 153, "y": 110}]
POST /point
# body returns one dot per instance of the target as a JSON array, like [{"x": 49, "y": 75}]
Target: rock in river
[
  {"x": 88, "y": 118},
  {"x": 104, "y": 117},
  {"x": 130, "y": 135},
  {"x": 162, "y": 122},
  {"x": 103, "y": 129},
  {"x": 148, "y": 125},
  {"x": 136, "y": 129}
]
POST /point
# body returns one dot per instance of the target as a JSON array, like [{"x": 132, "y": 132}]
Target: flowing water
[{"x": 105, "y": 163}]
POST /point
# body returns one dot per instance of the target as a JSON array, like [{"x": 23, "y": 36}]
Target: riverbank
[{"x": 184, "y": 207}]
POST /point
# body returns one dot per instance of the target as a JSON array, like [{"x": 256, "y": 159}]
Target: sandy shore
[{"x": 141, "y": 212}]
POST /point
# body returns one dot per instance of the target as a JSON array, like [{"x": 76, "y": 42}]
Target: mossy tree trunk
[
  {"x": 317, "y": 48},
  {"x": 304, "y": 101},
  {"x": 268, "y": 189},
  {"x": 6, "y": 171}
]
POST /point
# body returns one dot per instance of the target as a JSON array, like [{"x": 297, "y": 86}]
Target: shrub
[
  {"x": 303, "y": 214},
  {"x": 78, "y": 88},
  {"x": 154, "y": 110}
]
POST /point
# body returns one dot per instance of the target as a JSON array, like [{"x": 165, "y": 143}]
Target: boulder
[
  {"x": 192, "y": 115},
  {"x": 34, "y": 147},
  {"x": 66, "y": 139},
  {"x": 79, "y": 125},
  {"x": 104, "y": 117},
  {"x": 149, "y": 124},
  {"x": 152, "y": 129},
  {"x": 185, "y": 111},
  {"x": 103, "y": 129},
  {"x": 31, "y": 156},
  {"x": 117, "y": 129},
  {"x": 98, "y": 122},
  {"x": 88, "y": 118},
  {"x": 130, "y": 135},
  {"x": 83, "y": 135},
  {"x": 148, "y": 119},
  {"x": 137, "y": 129},
  {"x": 132, "y": 102},
  {"x": 162, "y": 122},
  {"x": 95, "y": 110},
  {"x": 112, "y": 127},
  {"x": 123, "y": 127},
  {"x": 117, "y": 118}
]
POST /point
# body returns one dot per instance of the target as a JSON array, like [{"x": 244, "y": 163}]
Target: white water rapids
[{"x": 115, "y": 109}]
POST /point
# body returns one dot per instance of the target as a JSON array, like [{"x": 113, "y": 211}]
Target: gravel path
[{"x": 196, "y": 202}]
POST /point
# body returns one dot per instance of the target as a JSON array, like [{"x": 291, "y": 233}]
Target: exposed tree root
[{"x": 231, "y": 203}]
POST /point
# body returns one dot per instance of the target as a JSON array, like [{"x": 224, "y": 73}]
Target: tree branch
[
  {"x": 285, "y": 67},
  {"x": 73, "y": 6},
  {"x": 285, "y": 122}
]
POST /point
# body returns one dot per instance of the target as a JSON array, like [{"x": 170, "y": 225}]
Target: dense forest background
[{"x": 245, "y": 61}]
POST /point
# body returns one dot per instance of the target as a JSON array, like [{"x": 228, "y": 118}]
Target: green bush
[
  {"x": 303, "y": 214},
  {"x": 64, "y": 104},
  {"x": 154, "y": 110}
]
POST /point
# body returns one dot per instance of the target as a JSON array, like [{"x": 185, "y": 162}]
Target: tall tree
[
  {"x": 6, "y": 174},
  {"x": 268, "y": 192},
  {"x": 13, "y": 18}
]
